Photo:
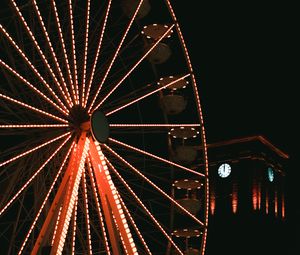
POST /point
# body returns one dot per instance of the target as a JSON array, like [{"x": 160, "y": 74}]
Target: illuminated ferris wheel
[{"x": 102, "y": 141}]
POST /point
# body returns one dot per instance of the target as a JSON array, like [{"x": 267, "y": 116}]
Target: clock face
[
  {"x": 224, "y": 170},
  {"x": 270, "y": 174}
]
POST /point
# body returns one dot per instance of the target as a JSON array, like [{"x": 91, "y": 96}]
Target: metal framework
[{"x": 62, "y": 191}]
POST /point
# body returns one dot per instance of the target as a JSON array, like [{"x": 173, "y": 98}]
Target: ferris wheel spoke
[
  {"x": 75, "y": 91},
  {"x": 134, "y": 67},
  {"x": 105, "y": 236},
  {"x": 144, "y": 208},
  {"x": 68, "y": 100},
  {"x": 144, "y": 96},
  {"x": 45, "y": 200},
  {"x": 135, "y": 170},
  {"x": 31, "y": 126},
  {"x": 33, "y": 176},
  {"x": 51, "y": 48},
  {"x": 32, "y": 108},
  {"x": 63, "y": 45},
  {"x": 86, "y": 44},
  {"x": 164, "y": 126},
  {"x": 135, "y": 226},
  {"x": 115, "y": 55},
  {"x": 155, "y": 157},
  {"x": 97, "y": 55},
  {"x": 65, "y": 112},
  {"x": 87, "y": 217},
  {"x": 34, "y": 149},
  {"x": 36, "y": 72}
]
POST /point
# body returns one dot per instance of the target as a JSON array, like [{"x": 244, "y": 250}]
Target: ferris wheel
[{"x": 102, "y": 146}]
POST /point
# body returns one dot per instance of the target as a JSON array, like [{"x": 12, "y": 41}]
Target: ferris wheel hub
[
  {"x": 99, "y": 126},
  {"x": 79, "y": 118}
]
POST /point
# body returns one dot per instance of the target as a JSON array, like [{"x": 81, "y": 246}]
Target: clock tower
[{"x": 247, "y": 197}]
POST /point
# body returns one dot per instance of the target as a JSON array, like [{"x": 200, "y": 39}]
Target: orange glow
[
  {"x": 276, "y": 204},
  {"x": 212, "y": 202},
  {"x": 267, "y": 202},
  {"x": 254, "y": 195},
  {"x": 282, "y": 207},
  {"x": 234, "y": 201},
  {"x": 259, "y": 196}
]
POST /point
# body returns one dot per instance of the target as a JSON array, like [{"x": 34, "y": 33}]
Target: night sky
[{"x": 244, "y": 57}]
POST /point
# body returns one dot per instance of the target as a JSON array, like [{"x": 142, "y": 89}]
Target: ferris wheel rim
[{"x": 71, "y": 99}]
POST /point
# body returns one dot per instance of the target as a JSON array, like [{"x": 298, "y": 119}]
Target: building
[{"x": 247, "y": 197}]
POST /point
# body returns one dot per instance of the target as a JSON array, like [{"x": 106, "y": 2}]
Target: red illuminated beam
[
  {"x": 96, "y": 57},
  {"x": 51, "y": 48},
  {"x": 115, "y": 55},
  {"x": 87, "y": 216},
  {"x": 32, "y": 108},
  {"x": 29, "y": 181},
  {"x": 146, "y": 210},
  {"x": 155, "y": 156},
  {"x": 45, "y": 200},
  {"x": 135, "y": 170},
  {"x": 109, "y": 199},
  {"x": 133, "y": 68},
  {"x": 70, "y": 195},
  {"x": 74, "y": 227},
  {"x": 37, "y": 46},
  {"x": 34, "y": 149},
  {"x": 144, "y": 96}
]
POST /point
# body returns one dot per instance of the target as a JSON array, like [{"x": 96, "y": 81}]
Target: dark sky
[{"x": 245, "y": 58}]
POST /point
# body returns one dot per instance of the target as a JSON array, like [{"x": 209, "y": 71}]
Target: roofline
[{"x": 259, "y": 138}]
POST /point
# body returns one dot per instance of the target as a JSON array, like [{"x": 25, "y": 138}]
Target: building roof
[{"x": 258, "y": 138}]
